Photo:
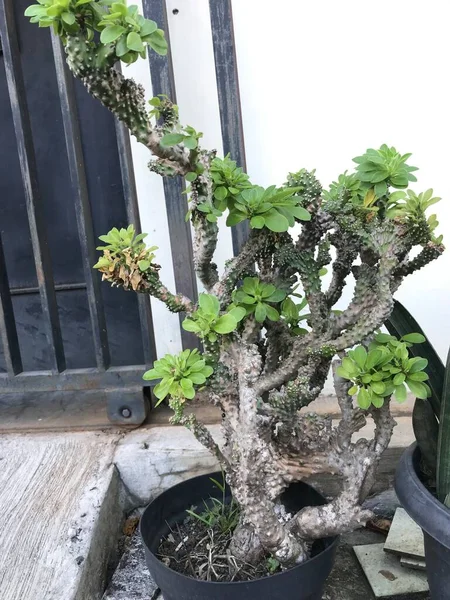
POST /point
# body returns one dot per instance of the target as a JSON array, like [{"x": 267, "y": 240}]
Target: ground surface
[
  {"x": 53, "y": 490},
  {"x": 59, "y": 497},
  {"x": 346, "y": 582}
]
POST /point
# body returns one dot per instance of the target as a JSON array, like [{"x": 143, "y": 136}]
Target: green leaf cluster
[
  {"x": 384, "y": 168},
  {"x": 228, "y": 181},
  {"x": 412, "y": 207},
  {"x": 188, "y": 136},
  {"x": 275, "y": 209},
  {"x": 348, "y": 188},
  {"x": 208, "y": 323},
  {"x": 257, "y": 298},
  {"x": 123, "y": 31},
  {"x": 291, "y": 314},
  {"x": 163, "y": 107},
  {"x": 385, "y": 370},
  {"x": 57, "y": 13},
  {"x": 118, "y": 240},
  {"x": 130, "y": 32},
  {"x": 179, "y": 374}
]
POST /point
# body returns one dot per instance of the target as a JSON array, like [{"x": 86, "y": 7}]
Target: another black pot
[
  {"x": 432, "y": 516},
  {"x": 304, "y": 582}
]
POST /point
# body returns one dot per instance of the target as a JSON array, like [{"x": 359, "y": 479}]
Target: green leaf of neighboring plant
[
  {"x": 190, "y": 142},
  {"x": 414, "y": 338},
  {"x": 377, "y": 401},
  {"x": 352, "y": 391},
  {"x": 300, "y": 213},
  {"x": 364, "y": 398},
  {"x": 225, "y": 324},
  {"x": 191, "y": 325},
  {"x": 400, "y": 393},
  {"x": 272, "y": 313},
  {"x": 191, "y": 176},
  {"x": 134, "y": 42},
  {"x": 161, "y": 390},
  {"x": 121, "y": 46},
  {"x": 188, "y": 388},
  {"x": 378, "y": 387},
  {"x": 238, "y": 312},
  {"x": 197, "y": 378},
  {"x": 257, "y": 222},
  {"x": 383, "y": 338},
  {"x": 260, "y": 312},
  {"x": 399, "y": 379},
  {"x": 172, "y": 139},
  {"x": 151, "y": 375},
  {"x": 417, "y": 364},
  {"x": 209, "y": 303},
  {"x": 359, "y": 355},
  {"x": 111, "y": 34},
  {"x": 373, "y": 357},
  {"x": 417, "y": 388},
  {"x": 276, "y": 222},
  {"x": 148, "y": 27},
  {"x": 68, "y": 18},
  {"x": 220, "y": 193},
  {"x": 276, "y": 296}
]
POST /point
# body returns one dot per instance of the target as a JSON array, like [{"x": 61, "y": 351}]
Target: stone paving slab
[
  {"x": 386, "y": 576},
  {"x": 59, "y": 515},
  {"x": 413, "y": 563},
  {"x": 405, "y": 536}
]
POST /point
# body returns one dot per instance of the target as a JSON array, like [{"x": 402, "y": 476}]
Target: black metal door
[{"x": 65, "y": 178}]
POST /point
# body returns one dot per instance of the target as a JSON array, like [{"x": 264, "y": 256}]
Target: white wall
[{"x": 320, "y": 82}]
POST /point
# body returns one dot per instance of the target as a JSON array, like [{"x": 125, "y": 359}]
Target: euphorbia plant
[{"x": 268, "y": 325}]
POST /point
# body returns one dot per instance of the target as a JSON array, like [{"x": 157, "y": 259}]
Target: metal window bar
[
  {"x": 130, "y": 193},
  {"x": 163, "y": 82},
  {"x": 22, "y": 126},
  {"x": 83, "y": 211},
  {"x": 8, "y": 331},
  {"x": 227, "y": 77}
]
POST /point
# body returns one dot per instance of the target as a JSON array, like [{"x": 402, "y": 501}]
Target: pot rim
[
  {"x": 330, "y": 548},
  {"x": 416, "y": 497}
]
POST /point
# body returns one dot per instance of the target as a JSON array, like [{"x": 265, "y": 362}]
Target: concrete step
[
  {"x": 152, "y": 459},
  {"x": 60, "y": 515}
]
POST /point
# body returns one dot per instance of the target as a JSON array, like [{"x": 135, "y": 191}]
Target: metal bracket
[{"x": 128, "y": 406}]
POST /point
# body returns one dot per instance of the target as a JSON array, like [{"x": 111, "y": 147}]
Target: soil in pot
[
  {"x": 199, "y": 547},
  {"x": 190, "y": 558}
]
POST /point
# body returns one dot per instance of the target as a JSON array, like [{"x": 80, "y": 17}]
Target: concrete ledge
[
  {"x": 150, "y": 460},
  {"x": 60, "y": 515}
]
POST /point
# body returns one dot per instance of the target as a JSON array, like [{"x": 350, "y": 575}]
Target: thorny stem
[{"x": 264, "y": 385}]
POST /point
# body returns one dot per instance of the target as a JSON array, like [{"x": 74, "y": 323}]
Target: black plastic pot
[
  {"x": 304, "y": 582},
  {"x": 432, "y": 516}
]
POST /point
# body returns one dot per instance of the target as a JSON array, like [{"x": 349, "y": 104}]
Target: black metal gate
[{"x": 66, "y": 176}]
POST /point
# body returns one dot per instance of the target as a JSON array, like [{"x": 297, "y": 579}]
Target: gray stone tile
[
  {"x": 385, "y": 575},
  {"x": 405, "y": 536},
  {"x": 413, "y": 563}
]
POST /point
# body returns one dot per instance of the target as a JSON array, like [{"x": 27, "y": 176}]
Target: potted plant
[
  {"x": 423, "y": 475},
  {"x": 269, "y": 330}
]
